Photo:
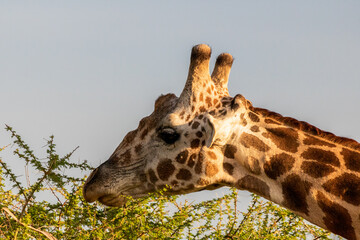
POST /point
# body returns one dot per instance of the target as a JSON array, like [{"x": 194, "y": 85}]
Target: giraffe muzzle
[
  {"x": 98, "y": 187},
  {"x": 88, "y": 194}
]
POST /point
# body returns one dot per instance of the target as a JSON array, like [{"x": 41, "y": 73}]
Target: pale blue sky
[{"x": 88, "y": 71}]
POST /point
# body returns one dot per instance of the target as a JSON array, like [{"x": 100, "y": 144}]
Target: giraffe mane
[{"x": 307, "y": 128}]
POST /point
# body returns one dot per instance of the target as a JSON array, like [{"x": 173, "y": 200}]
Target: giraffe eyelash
[{"x": 168, "y": 135}]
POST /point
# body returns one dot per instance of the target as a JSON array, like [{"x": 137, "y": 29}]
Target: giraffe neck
[{"x": 313, "y": 176}]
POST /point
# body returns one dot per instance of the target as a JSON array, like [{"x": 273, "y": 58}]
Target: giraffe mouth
[
  {"x": 120, "y": 198},
  {"x": 112, "y": 200}
]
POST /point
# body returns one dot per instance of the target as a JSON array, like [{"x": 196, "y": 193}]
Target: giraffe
[{"x": 206, "y": 139}]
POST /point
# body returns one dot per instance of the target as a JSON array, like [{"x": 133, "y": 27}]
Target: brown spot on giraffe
[
  {"x": 195, "y": 143},
  {"x": 138, "y": 148},
  {"x": 316, "y": 169},
  {"x": 314, "y": 141},
  {"x": 235, "y": 106},
  {"x": 202, "y": 109},
  {"x": 295, "y": 191},
  {"x": 278, "y": 165},
  {"x": 253, "y": 117},
  {"x": 211, "y": 169},
  {"x": 211, "y": 154},
  {"x": 337, "y": 219},
  {"x": 229, "y": 168},
  {"x": 165, "y": 169},
  {"x": 222, "y": 112},
  {"x": 208, "y": 101},
  {"x": 230, "y": 151},
  {"x": 126, "y": 155},
  {"x": 199, "y": 163},
  {"x": 321, "y": 155},
  {"x": 183, "y": 174},
  {"x": 182, "y": 114},
  {"x": 191, "y": 161},
  {"x": 195, "y": 125},
  {"x": 225, "y": 101},
  {"x": 346, "y": 187},
  {"x": 125, "y": 158},
  {"x": 152, "y": 176},
  {"x": 284, "y": 138},
  {"x": 352, "y": 159},
  {"x": 144, "y": 133},
  {"x": 248, "y": 140},
  {"x": 254, "y": 128},
  {"x": 270, "y": 121},
  {"x": 199, "y": 134},
  {"x": 181, "y": 157},
  {"x": 142, "y": 124},
  {"x": 194, "y": 98},
  {"x": 244, "y": 122},
  {"x": 142, "y": 177},
  {"x": 130, "y": 136},
  {"x": 255, "y": 185},
  {"x": 212, "y": 113}
]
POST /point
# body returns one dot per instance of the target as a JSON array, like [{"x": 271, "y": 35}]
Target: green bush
[{"x": 24, "y": 216}]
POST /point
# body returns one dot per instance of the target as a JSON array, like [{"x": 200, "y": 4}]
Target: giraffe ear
[{"x": 209, "y": 131}]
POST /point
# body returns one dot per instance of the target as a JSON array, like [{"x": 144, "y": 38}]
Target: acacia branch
[{"x": 46, "y": 234}]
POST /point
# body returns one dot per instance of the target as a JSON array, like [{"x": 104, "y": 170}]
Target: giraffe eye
[{"x": 168, "y": 135}]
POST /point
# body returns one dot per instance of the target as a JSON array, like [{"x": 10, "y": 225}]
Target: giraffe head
[{"x": 181, "y": 144}]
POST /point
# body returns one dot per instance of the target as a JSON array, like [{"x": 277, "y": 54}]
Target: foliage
[{"x": 24, "y": 215}]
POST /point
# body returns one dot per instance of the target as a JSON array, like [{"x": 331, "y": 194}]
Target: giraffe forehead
[{"x": 135, "y": 141}]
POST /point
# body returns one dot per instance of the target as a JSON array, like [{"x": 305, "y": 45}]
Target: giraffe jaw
[{"x": 113, "y": 200}]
